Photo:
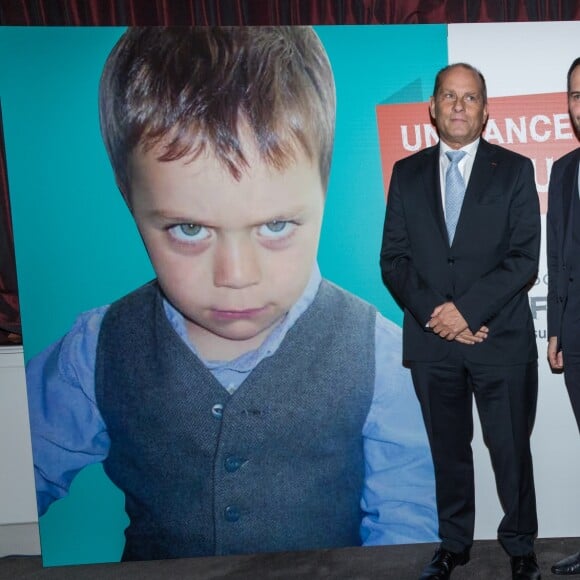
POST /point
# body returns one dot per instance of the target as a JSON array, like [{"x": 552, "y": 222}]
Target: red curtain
[
  {"x": 255, "y": 12},
  {"x": 10, "y": 332}
]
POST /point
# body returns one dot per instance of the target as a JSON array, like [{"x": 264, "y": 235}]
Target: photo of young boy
[{"x": 240, "y": 401}]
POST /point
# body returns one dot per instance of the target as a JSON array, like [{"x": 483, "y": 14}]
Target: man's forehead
[
  {"x": 575, "y": 79},
  {"x": 461, "y": 76}
]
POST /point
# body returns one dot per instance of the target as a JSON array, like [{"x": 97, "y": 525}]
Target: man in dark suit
[
  {"x": 460, "y": 251},
  {"x": 563, "y": 234}
]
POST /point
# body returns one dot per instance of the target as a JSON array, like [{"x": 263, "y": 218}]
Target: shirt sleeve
[
  {"x": 398, "y": 497},
  {"x": 68, "y": 432}
]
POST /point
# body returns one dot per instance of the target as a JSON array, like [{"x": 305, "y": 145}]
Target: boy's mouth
[{"x": 237, "y": 314}]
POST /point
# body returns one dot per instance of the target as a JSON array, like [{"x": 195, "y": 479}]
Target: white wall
[{"x": 18, "y": 517}]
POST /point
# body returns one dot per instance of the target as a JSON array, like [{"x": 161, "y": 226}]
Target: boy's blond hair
[{"x": 193, "y": 89}]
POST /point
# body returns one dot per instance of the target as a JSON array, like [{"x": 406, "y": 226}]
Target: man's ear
[{"x": 432, "y": 107}]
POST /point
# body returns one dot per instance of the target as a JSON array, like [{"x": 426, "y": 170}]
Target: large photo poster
[{"x": 77, "y": 248}]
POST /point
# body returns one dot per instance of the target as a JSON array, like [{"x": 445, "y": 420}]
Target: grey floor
[{"x": 488, "y": 562}]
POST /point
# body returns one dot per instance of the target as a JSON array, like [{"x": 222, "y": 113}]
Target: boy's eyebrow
[
  {"x": 161, "y": 214},
  {"x": 279, "y": 215},
  {"x": 162, "y": 217}
]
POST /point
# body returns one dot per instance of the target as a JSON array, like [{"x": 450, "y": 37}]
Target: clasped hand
[
  {"x": 448, "y": 323},
  {"x": 555, "y": 356}
]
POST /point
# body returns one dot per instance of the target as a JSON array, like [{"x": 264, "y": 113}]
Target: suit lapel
[
  {"x": 569, "y": 190},
  {"x": 432, "y": 187},
  {"x": 482, "y": 172}
]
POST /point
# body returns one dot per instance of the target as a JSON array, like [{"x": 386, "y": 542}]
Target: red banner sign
[{"x": 537, "y": 126}]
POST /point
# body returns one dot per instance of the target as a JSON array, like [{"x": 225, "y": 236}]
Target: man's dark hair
[{"x": 571, "y": 70}]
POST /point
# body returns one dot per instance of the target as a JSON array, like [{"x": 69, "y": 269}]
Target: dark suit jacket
[
  {"x": 563, "y": 186},
  {"x": 486, "y": 272}
]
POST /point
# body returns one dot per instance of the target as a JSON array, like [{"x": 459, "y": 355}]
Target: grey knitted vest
[{"x": 278, "y": 465}]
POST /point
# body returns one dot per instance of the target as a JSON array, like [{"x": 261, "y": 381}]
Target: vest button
[
  {"x": 233, "y": 463},
  {"x": 232, "y": 513},
  {"x": 217, "y": 410}
]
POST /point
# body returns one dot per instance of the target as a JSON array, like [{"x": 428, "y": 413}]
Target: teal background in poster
[{"x": 77, "y": 248}]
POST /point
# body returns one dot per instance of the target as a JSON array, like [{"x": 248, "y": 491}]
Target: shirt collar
[
  {"x": 250, "y": 359},
  {"x": 470, "y": 149}
]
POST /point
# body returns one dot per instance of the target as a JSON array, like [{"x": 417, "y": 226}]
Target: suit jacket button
[
  {"x": 449, "y": 296},
  {"x": 451, "y": 261}
]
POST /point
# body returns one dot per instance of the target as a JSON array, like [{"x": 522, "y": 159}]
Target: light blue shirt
[{"x": 68, "y": 432}]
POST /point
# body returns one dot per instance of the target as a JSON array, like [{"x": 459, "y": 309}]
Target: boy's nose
[{"x": 236, "y": 264}]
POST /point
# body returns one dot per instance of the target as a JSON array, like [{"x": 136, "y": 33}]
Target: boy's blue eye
[
  {"x": 189, "y": 229},
  {"x": 276, "y": 226},
  {"x": 188, "y": 233},
  {"x": 276, "y": 229}
]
